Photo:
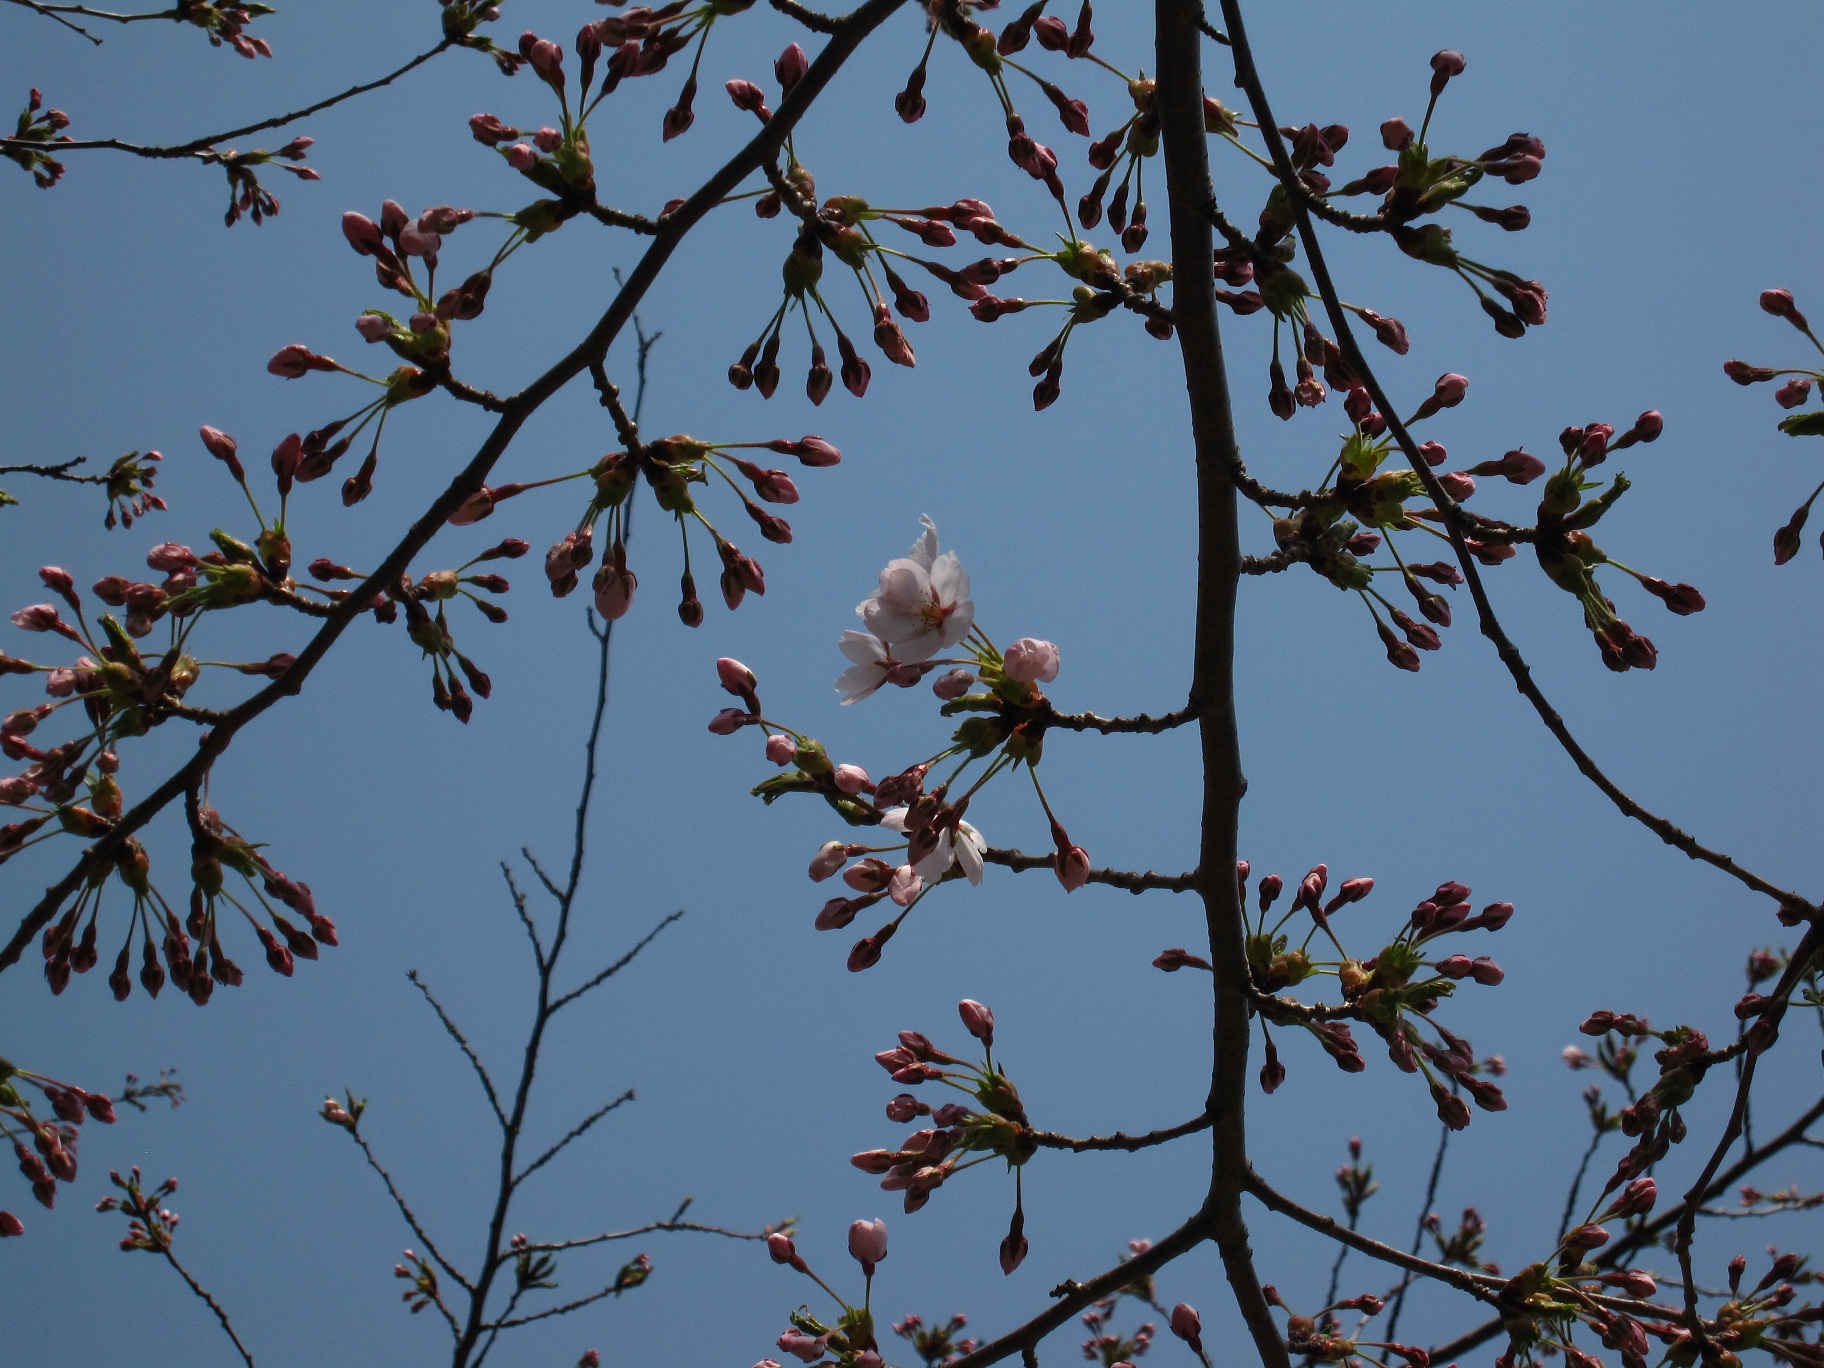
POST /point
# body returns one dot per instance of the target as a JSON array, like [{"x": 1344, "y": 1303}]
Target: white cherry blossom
[
  {"x": 922, "y": 605},
  {"x": 868, "y": 672},
  {"x": 962, "y": 847}
]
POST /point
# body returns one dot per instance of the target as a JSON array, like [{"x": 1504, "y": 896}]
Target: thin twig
[
  {"x": 1478, "y": 1285},
  {"x": 579, "y": 1129},
  {"x": 211, "y": 1303},
  {"x": 405, "y": 1210},
  {"x": 462, "y": 1043},
  {"x": 1425, "y": 1209},
  {"x": 1120, "y": 1140},
  {"x": 1133, "y": 882},
  {"x": 198, "y": 146},
  {"x": 617, "y": 966}
]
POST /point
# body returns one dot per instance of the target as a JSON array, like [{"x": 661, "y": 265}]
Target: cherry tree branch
[
  {"x": 518, "y": 408},
  {"x": 196, "y": 147},
  {"x": 1478, "y": 1285},
  {"x": 1071, "y": 1296},
  {"x": 1115, "y": 878},
  {"x": 1140, "y": 722},
  {"x": 1247, "y": 76},
  {"x": 1120, "y": 1140},
  {"x": 1178, "y": 101},
  {"x": 202, "y": 1294},
  {"x": 462, "y": 1043}
]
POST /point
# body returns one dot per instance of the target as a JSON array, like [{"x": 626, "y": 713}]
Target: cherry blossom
[
  {"x": 869, "y": 672},
  {"x": 962, "y": 847},
  {"x": 922, "y": 605},
  {"x": 1030, "y": 661}
]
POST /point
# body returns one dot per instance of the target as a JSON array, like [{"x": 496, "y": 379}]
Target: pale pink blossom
[
  {"x": 962, "y": 847},
  {"x": 852, "y": 779},
  {"x": 905, "y": 886},
  {"x": 829, "y": 858},
  {"x": 871, "y": 665},
  {"x": 922, "y": 605},
  {"x": 868, "y": 1243},
  {"x": 780, "y": 748},
  {"x": 809, "y": 1348},
  {"x": 1030, "y": 661}
]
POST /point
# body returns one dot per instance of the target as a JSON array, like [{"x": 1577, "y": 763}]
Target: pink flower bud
[
  {"x": 780, "y": 1246},
  {"x": 547, "y": 140},
  {"x": 868, "y": 1243},
  {"x": 852, "y": 779},
  {"x": 1188, "y": 1325},
  {"x": 1587, "y": 1237},
  {"x": 789, "y": 67},
  {"x": 780, "y": 749},
  {"x": 953, "y": 685},
  {"x": 1779, "y": 303},
  {"x": 978, "y": 1020},
  {"x": 1458, "y": 484},
  {"x": 1433, "y": 453},
  {"x": 521, "y": 156},
  {"x": 372, "y": 326},
  {"x": 830, "y": 855},
  {"x": 1450, "y": 390},
  {"x": 10, "y": 1225},
  {"x": 736, "y": 678},
  {"x": 1396, "y": 135},
  {"x": 1073, "y": 868},
  {"x": 731, "y": 720},
  {"x": 1030, "y": 661}
]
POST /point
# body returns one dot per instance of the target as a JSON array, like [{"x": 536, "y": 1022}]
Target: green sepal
[
  {"x": 1804, "y": 425},
  {"x": 767, "y": 790}
]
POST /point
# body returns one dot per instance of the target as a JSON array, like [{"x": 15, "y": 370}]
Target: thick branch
[{"x": 1178, "y": 100}]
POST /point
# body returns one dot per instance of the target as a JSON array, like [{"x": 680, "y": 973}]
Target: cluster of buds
[
  {"x": 929, "y": 1156},
  {"x": 850, "y": 1342},
  {"x": 127, "y": 483},
  {"x": 429, "y": 626},
  {"x": 1542, "y": 1307},
  {"x": 52, "y": 1156},
  {"x": 1109, "y": 1347},
  {"x": 150, "y": 1223},
  {"x": 921, "y": 607},
  {"x": 670, "y": 467},
  {"x": 936, "y": 1345},
  {"x": 421, "y": 1277},
  {"x": 38, "y": 129},
  {"x": 225, "y": 23},
  {"x": 245, "y": 193},
  {"x": 1653, "y": 1120},
  {"x": 1570, "y": 557},
  {"x": 1795, "y": 391},
  {"x": 1391, "y": 993},
  {"x": 841, "y": 226},
  {"x": 1318, "y": 1338},
  {"x": 993, "y": 55}
]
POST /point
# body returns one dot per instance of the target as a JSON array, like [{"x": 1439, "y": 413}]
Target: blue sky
[{"x": 1674, "y": 192}]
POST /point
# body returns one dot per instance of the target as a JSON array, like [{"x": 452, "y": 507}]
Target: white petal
[
  {"x": 937, "y": 863},
  {"x": 956, "y": 626},
  {"x": 924, "y": 550},
  {"x": 969, "y": 848},
  {"x": 894, "y": 819},
  {"x": 949, "y": 581},
  {"x": 864, "y": 648},
  {"x": 858, "y": 681},
  {"x": 921, "y": 644}
]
